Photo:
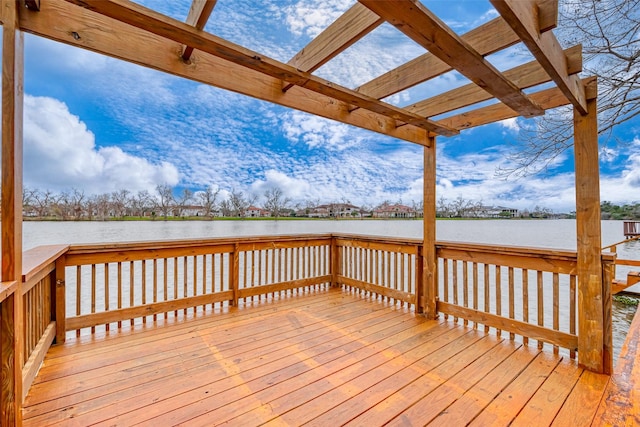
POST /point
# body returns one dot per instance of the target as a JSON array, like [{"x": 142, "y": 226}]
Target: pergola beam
[
  {"x": 488, "y": 38},
  {"x": 59, "y": 21},
  {"x": 521, "y": 15},
  {"x": 547, "y": 99},
  {"x": 163, "y": 26},
  {"x": 426, "y": 29},
  {"x": 199, "y": 14},
  {"x": 350, "y": 27},
  {"x": 524, "y": 76}
]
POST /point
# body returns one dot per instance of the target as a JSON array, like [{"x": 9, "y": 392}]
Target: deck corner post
[
  {"x": 593, "y": 305},
  {"x": 59, "y": 298},
  {"x": 429, "y": 274},
  {"x": 11, "y": 335}
]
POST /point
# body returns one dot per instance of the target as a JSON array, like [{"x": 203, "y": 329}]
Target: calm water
[{"x": 557, "y": 234}]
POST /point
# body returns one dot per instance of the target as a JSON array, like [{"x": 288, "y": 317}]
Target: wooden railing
[
  {"x": 109, "y": 284},
  {"x": 531, "y": 294},
  {"x": 390, "y": 268},
  {"x": 527, "y": 292},
  {"x": 629, "y": 273},
  {"x": 39, "y": 310}
]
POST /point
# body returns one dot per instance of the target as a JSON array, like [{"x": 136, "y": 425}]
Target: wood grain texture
[
  {"x": 423, "y": 27},
  {"x": 524, "y": 76},
  {"x": 620, "y": 405},
  {"x": 485, "y": 39},
  {"x": 11, "y": 312},
  {"x": 522, "y": 16},
  {"x": 58, "y": 21},
  {"x": 351, "y": 26},
  {"x": 591, "y": 310},
  {"x": 331, "y": 356},
  {"x": 171, "y": 29}
]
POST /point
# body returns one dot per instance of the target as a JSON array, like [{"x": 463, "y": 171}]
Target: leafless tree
[
  {"x": 208, "y": 200},
  {"x": 182, "y": 201},
  {"x": 608, "y": 31},
  {"x": 120, "y": 202},
  {"x": 275, "y": 201},
  {"x": 103, "y": 205},
  {"x": 165, "y": 199},
  {"x": 43, "y": 202},
  {"x": 238, "y": 204},
  {"x": 141, "y": 203}
]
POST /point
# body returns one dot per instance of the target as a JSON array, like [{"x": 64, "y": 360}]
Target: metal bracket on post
[{"x": 33, "y": 5}]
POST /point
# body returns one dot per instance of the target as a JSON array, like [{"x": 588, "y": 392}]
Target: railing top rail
[
  {"x": 508, "y": 249},
  {"x": 33, "y": 260},
  {"x": 631, "y": 239},
  {"x": 525, "y": 251},
  {"x": 7, "y": 289},
  {"x": 187, "y": 243}
]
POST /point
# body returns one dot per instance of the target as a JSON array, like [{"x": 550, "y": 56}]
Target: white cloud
[
  {"x": 311, "y": 17},
  {"x": 510, "y": 124},
  {"x": 294, "y": 188},
  {"x": 318, "y": 132},
  {"x": 60, "y": 153}
]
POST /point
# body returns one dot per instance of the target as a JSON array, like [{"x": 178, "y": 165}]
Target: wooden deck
[{"x": 324, "y": 357}]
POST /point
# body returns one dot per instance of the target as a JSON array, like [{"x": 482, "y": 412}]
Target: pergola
[{"x": 133, "y": 33}]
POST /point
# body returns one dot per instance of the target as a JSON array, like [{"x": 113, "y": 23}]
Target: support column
[
  {"x": 11, "y": 216},
  {"x": 429, "y": 274},
  {"x": 592, "y": 342}
]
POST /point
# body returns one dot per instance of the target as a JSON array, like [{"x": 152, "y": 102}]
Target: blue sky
[{"x": 100, "y": 125}]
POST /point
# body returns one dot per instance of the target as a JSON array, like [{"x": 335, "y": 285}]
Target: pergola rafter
[
  {"x": 350, "y": 27},
  {"x": 419, "y": 24},
  {"x": 198, "y": 16}
]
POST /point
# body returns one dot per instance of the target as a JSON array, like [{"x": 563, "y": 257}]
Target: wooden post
[
  {"x": 591, "y": 330},
  {"x": 60, "y": 298},
  {"x": 608, "y": 274},
  {"x": 11, "y": 216},
  {"x": 335, "y": 262},
  {"x": 429, "y": 276}
]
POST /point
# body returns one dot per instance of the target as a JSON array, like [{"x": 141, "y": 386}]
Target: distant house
[
  {"x": 192, "y": 210},
  {"x": 397, "y": 210},
  {"x": 496, "y": 212},
  {"x": 256, "y": 212}
]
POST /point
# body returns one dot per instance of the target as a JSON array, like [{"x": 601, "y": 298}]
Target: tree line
[{"x": 166, "y": 202}]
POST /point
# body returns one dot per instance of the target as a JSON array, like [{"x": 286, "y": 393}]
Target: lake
[{"x": 557, "y": 234}]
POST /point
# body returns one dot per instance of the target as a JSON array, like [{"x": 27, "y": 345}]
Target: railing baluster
[
  {"x": 540, "y": 303},
  {"x": 445, "y": 277},
  {"x": 455, "y": 285},
  {"x": 487, "y": 292},
  {"x": 572, "y": 310},
  {"x": 106, "y": 291},
  {"x": 143, "y": 267},
  {"x": 512, "y": 336},
  {"x": 556, "y": 306},
  {"x": 525, "y": 300},
  {"x": 475, "y": 291},
  {"x": 119, "y": 290},
  {"x": 498, "y": 272},
  {"x": 465, "y": 288},
  {"x": 131, "y": 286}
]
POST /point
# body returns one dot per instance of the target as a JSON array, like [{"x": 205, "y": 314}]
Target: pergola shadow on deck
[
  {"x": 322, "y": 356},
  {"x": 33, "y": 296}
]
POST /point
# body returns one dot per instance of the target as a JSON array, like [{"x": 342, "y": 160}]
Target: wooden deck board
[{"x": 329, "y": 357}]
